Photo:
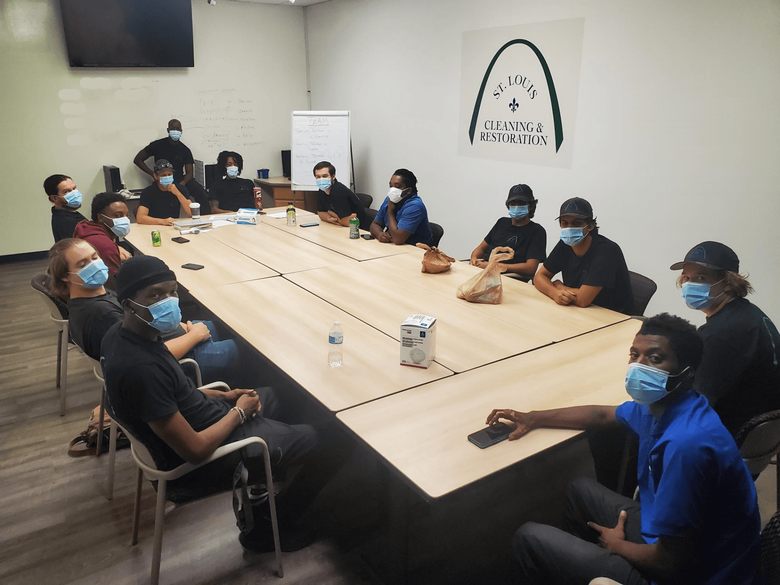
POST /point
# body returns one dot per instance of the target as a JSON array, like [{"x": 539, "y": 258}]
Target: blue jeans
[{"x": 215, "y": 356}]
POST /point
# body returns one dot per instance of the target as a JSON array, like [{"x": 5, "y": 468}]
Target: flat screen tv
[{"x": 128, "y": 33}]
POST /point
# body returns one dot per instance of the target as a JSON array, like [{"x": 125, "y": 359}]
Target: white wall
[
  {"x": 677, "y": 125},
  {"x": 248, "y": 52}
]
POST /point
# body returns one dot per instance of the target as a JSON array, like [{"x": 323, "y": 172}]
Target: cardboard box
[
  {"x": 418, "y": 341},
  {"x": 246, "y": 216}
]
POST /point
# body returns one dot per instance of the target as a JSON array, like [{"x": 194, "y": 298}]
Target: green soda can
[{"x": 156, "y": 239}]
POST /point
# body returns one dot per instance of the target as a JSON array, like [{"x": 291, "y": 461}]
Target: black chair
[
  {"x": 370, "y": 215},
  {"x": 770, "y": 550},
  {"x": 365, "y": 199},
  {"x": 643, "y": 290},
  {"x": 436, "y": 233},
  {"x": 758, "y": 441}
]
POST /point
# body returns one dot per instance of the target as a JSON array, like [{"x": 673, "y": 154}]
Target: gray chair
[
  {"x": 58, "y": 313},
  {"x": 365, "y": 199},
  {"x": 643, "y": 290},
  {"x": 758, "y": 441},
  {"x": 436, "y": 233}
]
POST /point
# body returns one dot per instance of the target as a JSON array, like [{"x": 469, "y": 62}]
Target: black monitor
[
  {"x": 112, "y": 178},
  {"x": 286, "y": 171}
]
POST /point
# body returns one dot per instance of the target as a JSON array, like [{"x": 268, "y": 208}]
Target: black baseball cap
[
  {"x": 576, "y": 207},
  {"x": 161, "y": 165},
  {"x": 139, "y": 272},
  {"x": 710, "y": 255},
  {"x": 520, "y": 193}
]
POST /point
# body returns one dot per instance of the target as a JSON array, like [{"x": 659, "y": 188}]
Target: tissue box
[
  {"x": 246, "y": 216},
  {"x": 418, "y": 341}
]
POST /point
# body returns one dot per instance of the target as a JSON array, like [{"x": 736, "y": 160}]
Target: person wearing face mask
[
  {"x": 696, "y": 519},
  {"x": 66, "y": 200},
  {"x": 172, "y": 149},
  {"x": 232, "y": 192},
  {"x": 162, "y": 202},
  {"x": 527, "y": 238},
  {"x": 593, "y": 267},
  {"x": 110, "y": 223},
  {"x": 78, "y": 275},
  {"x": 739, "y": 373},
  {"x": 335, "y": 201},
  {"x": 150, "y": 395},
  {"x": 402, "y": 217}
]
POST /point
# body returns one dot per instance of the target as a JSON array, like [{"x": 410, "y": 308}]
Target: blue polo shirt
[
  {"x": 411, "y": 216},
  {"x": 692, "y": 480}
]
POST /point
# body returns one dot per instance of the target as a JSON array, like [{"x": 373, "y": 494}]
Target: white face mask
[{"x": 395, "y": 195}]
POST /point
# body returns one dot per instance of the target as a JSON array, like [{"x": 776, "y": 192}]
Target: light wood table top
[
  {"x": 465, "y": 338},
  {"x": 522, "y": 305},
  {"x": 336, "y": 238},
  {"x": 277, "y": 249},
  {"x": 222, "y": 264},
  {"x": 423, "y": 432},
  {"x": 290, "y": 327}
]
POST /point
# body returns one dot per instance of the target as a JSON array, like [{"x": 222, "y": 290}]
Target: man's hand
[
  {"x": 232, "y": 396},
  {"x": 385, "y": 238},
  {"x": 479, "y": 263},
  {"x": 609, "y": 537},
  {"x": 124, "y": 254},
  {"x": 391, "y": 206},
  {"x": 522, "y": 421},
  {"x": 199, "y": 330},
  {"x": 250, "y": 403},
  {"x": 564, "y": 297},
  {"x": 167, "y": 221}
]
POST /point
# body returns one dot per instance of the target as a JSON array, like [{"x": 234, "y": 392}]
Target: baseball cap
[
  {"x": 139, "y": 272},
  {"x": 710, "y": 255},
  {"x": 576, "y": 207},
  {"x": 520, "y": 193},
  {"x": 161, "y": 165}
]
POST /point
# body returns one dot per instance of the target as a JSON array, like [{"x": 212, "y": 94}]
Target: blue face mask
[
  {"x": 518, "y": 211},
  {"x": 174, "y": 134},
  {"x": 166, "y": 314},
  {"x": 94, "y": 274},
  {"x": 73, "y": 199},
  {"x": 572, "y": 236},
  {"x": 121, "y": 225},
  {"x": 166, "y": 180},
  {"x": 697, "y": 295},
  {"x": 324, "y": 184},
  {"x": 232, "y": 172},
  {"x": 646, "y": 384}
]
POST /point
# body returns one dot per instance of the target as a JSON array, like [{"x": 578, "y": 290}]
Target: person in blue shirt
[
  {"x": 402, "y": 218},
  {"x": 696, "y": 519}
]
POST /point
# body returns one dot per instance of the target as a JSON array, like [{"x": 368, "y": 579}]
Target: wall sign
[{"x": 519, "y": 88}]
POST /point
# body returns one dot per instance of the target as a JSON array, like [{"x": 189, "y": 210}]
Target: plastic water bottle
[
  {"x": 290, "y": 214},
  {"x": 354, "y": 227},
  {"x": 335, "y": 340}
]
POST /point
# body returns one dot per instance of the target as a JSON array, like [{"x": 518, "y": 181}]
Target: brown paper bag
[
  {"x": 434, "y": 260},
  {"x": 485, "y": 287}
]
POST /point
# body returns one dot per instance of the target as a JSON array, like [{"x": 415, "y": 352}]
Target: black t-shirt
[
  {"x": 528, "y": 241},
  {"x": 174, "y": 152},
  {"x": 343, "y": 202},
  {"x": 63, "y": 222},
  {"x": 233, "y": 193},
  {"x": 163, "y": 204},
  {"x": 145, "y": 383},
  {"x": 602, "y": 265},
  {"x": 90, "y": 319},
  {"x": 739, "y": 371}
]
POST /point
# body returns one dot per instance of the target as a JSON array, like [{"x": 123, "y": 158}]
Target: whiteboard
[{"x": 318, "y": 136}]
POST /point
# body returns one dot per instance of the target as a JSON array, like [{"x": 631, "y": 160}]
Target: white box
[
  {"x": 418, "y": 341},
  {"x": 246, "y": 216}
]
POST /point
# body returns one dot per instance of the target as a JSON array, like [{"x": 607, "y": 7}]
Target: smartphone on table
[{"x": 491, "y": 435}]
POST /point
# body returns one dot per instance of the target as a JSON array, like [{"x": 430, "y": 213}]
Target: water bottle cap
[{"x": 336, "y": 323}]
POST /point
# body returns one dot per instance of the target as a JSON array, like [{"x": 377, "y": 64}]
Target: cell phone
[
  {"x": 367, "y": 236},
  {"x": 192, "y": 266},
  {"x": 491, "y": 435},
  {"x": 180, "y": 240},
  {"x": 309, "y": 224}
]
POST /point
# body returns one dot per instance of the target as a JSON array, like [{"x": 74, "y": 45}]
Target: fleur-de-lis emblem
[{"x": 514, "y": 105}]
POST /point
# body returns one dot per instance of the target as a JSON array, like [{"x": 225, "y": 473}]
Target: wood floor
[{"x": 56, "y": 526}]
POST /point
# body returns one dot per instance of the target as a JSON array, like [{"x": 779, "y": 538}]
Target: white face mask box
[
  {"x": 418, "y": 341},
  {"x": 246, "y": 216}
]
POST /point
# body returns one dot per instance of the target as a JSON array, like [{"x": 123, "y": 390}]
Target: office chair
[
  {"x": 643, "y": 290},
  {"x": 58, "y": 312},
  {"x": 365, "y": 199},
  {"x": 770, "y": 550},
  {"x": 436, "y": 234},
  {"x": 370, "y": 215},
  {"x": 758, "y": 441}
]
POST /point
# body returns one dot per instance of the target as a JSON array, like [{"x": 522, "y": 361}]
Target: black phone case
[{"x": 490, "y": 436}]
